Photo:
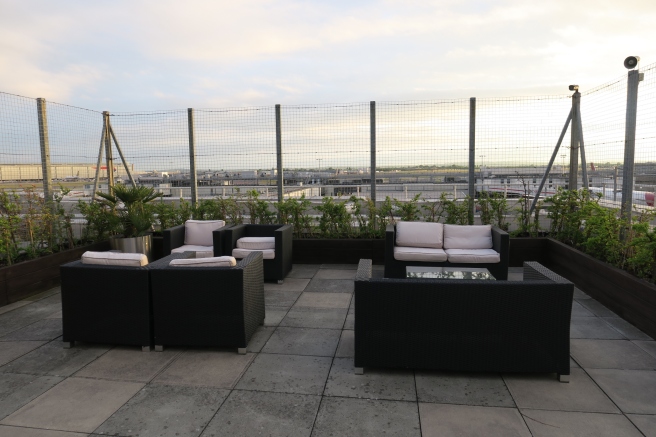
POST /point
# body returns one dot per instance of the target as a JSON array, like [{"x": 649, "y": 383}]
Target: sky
[{"x": 151, "y": 55}]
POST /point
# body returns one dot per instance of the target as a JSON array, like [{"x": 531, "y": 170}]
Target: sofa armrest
[
  {"x": 231, "y": 235},
  {"x": 284, "y": 236},
  {"x": 500, "y": 241},
  {"x": 219, "y": 241},
  {"x": 390, "y": 239},
  {"x": 173, "y": 238},
  {"x": 536, "y": 271},
  {"x": 364, "y": 270}
]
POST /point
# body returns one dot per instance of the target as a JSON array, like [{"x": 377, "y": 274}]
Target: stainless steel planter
[{"x": 133, "y": 245}]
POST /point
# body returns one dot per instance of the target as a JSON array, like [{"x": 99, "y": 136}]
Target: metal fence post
[
  {"x": 193, "y": 176},
  {"x": 629, "y": 143},
  {"x": 108, "y": 154},
  {"x": 372, "y": 138},
  {"x": 472, "y": 158},
  {"x": 279, "y": 154},
  {"x": 45, "y": 149},
  {"x": 574, "y": 147}
]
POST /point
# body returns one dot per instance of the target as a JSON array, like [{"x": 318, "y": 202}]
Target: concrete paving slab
[
  {"x": 76, "y": 404},
  {"x": 289, "y": 284},
  {"x": 43, "y": 295},
  {"x": 579, "y": 310},
  {"x": 592, "y": 327},
  {"x": 13, "y": 306},
  {"x": 330, "y": 286},
  {"x": 340, "y": 266},
  {"x": 206, "y": 368},
  {"x": 366, "y": 418},
  {"x": 25, "y": 316},
  {"x": 57, "y": 315},
  {"x": 350, "y": 322},
  {"x": 346, "y": 347},
  {"x": 571, "y": 424},
  {"x": 53, "y": 359},
  {"x": 598, "y": 309},
  {"x": 14, "y": 431},
  {"x": 335, "y": 274},
  {"x": 11, "y": 350},
  {"x": 162, "y": 410},
  {"x": 259, "y": 338},
  {"x": 301, "y": 317},
  {"x": 374, "y": 384},
  {"x": 611, "y": 354},
  {"x": 647, "y": 346},
  {"x": 626, "y": 329},
  {"x": 438, "y": 420},
  {"x": 129, "y": 364},
  {"x": 463, "y": 388},
  {"x": 323, "y": 300},
  {"x": 18, "y": 390},
  {"x": 304, "y": 271},
  {"x": 646, "y": 424},
  {"x": 303, "y": 341},
  {"x": 252, "y": 413},
  {"x": 634, "y": 391},
  {"x": 286, "y": 374},
  {"x": 274, "y": 315},
  {"x": 545, "y": 392},
  {"x": 46, "y": 330},
  {"x": 579, "y": 294},
  {"x": 281, "y": 299}
]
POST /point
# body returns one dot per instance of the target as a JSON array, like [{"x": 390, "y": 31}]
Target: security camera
[
  {"x": 573, "y": 87},
  {"x": 631, "y": 62}
]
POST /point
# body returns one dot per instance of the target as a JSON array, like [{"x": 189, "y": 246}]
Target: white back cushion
[
  {"x": 217, "y": 261},
  {"x": 199, "y": 232},
  {"x": 419, "y": 234},
  {"x": 255, "y": 243},
  {"x": 467, "y": 237},
  {"x": 115, "y": 259}
]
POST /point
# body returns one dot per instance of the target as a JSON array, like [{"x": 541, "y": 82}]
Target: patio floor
[{"x": 297, "y": 379}]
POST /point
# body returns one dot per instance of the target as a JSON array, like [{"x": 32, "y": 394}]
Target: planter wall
[
  {"x": 346, "y": 251},
  {"x": 527, "y": 249},
  {"x": 35, "y": 276}
]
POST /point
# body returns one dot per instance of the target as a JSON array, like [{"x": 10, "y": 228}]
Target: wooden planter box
[
  {"x": 527, "y": 249},
  {"x": 338, "y": 251},
  {"x": 35, "y": 276}
]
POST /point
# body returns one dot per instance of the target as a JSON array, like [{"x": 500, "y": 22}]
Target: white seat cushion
[
  {"x": 256, "y": 243},
  {"x": 425, "y": 254},
  {"x": 199, "y": 232},
  {"x": 419, "y": 234},
  {"x": 243, "y": 253},
  {"x": 473, "y": 256},
  {"x": 467, "y": 237},
  {"x": 115, "y": 259},
  {"x": 201, "y": 251},
  {"x": 218, "y": 261}
]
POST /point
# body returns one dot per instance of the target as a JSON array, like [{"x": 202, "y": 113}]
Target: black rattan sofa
[
  {"x": 397, "y": 269},
  {"x": 274, "y": 269},
  {"x": 108, "y": 304},
  {"x": 208, "y": 306},
  {"x": 464, "y": 325},
  {"x": 174, "y": 238}
]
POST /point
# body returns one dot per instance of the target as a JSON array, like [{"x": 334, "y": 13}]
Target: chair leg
[
  {"x": 280, "y": 281},
  {"x": 159, "y": 348},
  {"x": 241, "y": 351},
  {"x": 145, "y": 348},
  {"x": 359, "y": 370},
  {"x": 69, "y": 344},
  {"x": 563, "y": 378}
]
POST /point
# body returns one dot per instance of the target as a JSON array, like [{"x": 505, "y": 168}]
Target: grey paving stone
[
  {"x": 579, "y": 294},
  {"x": 14, "y": 431},
  {"x": 438, "y": 420},
  {"x": 46, "y": 329},
  {"x": 598, "y": 309},
  {"x": 75, "y": 404},
  {"x": 335, "y": 274},
  {"x": 281, "y": 299},
  {"x": 129, "y": 364},
  {"x": 43, "y": 295},
  {"x": 303, "y": 271},
  {"x": 26, "y": 315},
  {"x": 568, "y": 424},
  {"x": 330, "y": 286},
  {"x": 206, "y": 368},
  {"x": 366, "y": 417},
  {"x": 57, "y": 315},
  {"x": 579, "y": 310},
  {"x": 303, "y": 341},
  {"x": 330, "y": 318},
  {"x": 463, "y": 388},
  {"x": 646, "y": 424},
  {"x": 159, "y": 410},
  {"x": 53, "y": 359},
  {"x": 545, "y": 392},
  {"x": 346, "y": 347},
  {"x": 340, "y": 266},
  {"x": 10, "y": 350},
  {"x": 251, "y": 413},
  {"x": 13, "y": 306},
  {"x": 289, "y": 284},
  {"x": 573, "y": 363},
  {"x": 592, "y": 327},
  {"x": 611, "y": 354},
  {"x": 259, "y": 338},
  {"x": 286, "y": 374},
  {"x": 634, "y": 391},
  {"x": 374, "y": 384},
  {"x": 647, "y": 346},
  {"x": 626, "y": 329},
  {"x": 274, "y": 315},
  {"x": 323, "y": 300},
  {"x": 350, "y": 322},
  {"x": 515, "y": 276},
  {"x": 17, "y": 390}
]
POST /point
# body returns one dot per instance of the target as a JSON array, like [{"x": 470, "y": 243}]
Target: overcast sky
[{"x": 142, "y": 55}]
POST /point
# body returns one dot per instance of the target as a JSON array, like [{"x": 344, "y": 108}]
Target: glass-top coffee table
[{"x": 417, "y": 272}]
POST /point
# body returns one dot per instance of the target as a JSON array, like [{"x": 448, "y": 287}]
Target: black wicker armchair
[
  {"x": 464, "y": 325},
  {"x": 174, "y": 238},
  {"x": 208, "y": 306},
  {"x": 274, "y": 269}
]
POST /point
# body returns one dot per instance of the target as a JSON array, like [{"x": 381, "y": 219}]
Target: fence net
[{"x": 20, "y": 153}]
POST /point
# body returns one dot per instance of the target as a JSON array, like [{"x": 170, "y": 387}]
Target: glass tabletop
[{"x": 448, "y": 273}]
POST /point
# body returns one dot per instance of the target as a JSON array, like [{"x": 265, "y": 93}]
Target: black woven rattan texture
[{"x": 174, "y": 237}]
